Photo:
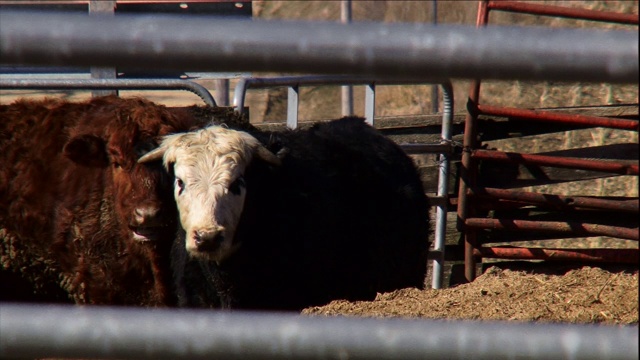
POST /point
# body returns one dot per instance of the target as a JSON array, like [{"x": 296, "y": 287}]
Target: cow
[
  {"x": 297, "y": 218},
  {"x": 80, "y": 220}
]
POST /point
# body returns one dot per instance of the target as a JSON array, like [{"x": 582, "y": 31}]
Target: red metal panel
[
  {"x": 549, "y": 116},
  {"x": 559, "y": 201},
  {"x": 565, "y": 12},
  {"x": 623, "y": 256},
  {"x": 557, "y": 161},
  {"x": 469, "y": 169},
  {"x": 574, "y": 228}
]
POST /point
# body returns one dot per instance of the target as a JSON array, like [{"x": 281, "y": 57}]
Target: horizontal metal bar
[
  {"x": 441, "y": 148},
  {"x": 49, "y": 331},
  {"x": 377, "y": 50},
  {"x": 623, "y": 256},
  {"x": 556, "y": 161},
  {"x": 548, "y": 116},
  {"x": 243, "y": 85},
  {"x": 559, "y": 11},
  {"x": 569, "y": 227},
  {"x": 560, "y": 201},
  {"x": 110, "y": 84}
]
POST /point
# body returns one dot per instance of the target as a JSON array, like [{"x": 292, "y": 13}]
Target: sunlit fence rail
[
  {"x": 381, "y": 50},
  {"x": 375, "y": 50},
  {"x": 127, "y": 333}
]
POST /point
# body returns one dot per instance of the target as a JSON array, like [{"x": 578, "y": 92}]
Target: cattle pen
[{"x": 388, "y": 53}]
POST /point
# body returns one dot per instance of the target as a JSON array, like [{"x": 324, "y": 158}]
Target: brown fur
[{"x": 69, "y": 186}]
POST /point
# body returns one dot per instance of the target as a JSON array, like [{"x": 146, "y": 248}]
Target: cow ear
[
  {"x": 87, "y": 150},
  {"x": 263, "y": 153}
]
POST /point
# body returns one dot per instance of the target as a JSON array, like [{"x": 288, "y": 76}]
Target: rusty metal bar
[
  {"x": 625, "y": 256},
  {"x": 565, "y": 12},
  {"x": 468, "y": 166},
  {"x": 549, "y": 116},
  {"x": 569, "y": 227},
  {"x": 559, "y": 201},
  {"x": 557, "y": 161}
]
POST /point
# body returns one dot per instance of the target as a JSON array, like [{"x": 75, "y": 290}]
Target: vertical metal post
[
  {"x": 443, "y": 188},
  {"x": 106, "y": 7},
  {"x": 370, "y": 103},
  {"x": 292, "y": 107},
  {"x": 221, "y": 92},
  {"x": 347, "y": 91},
  {"x": 435, "y": 106},
  {"x": 468, "y": 168}
]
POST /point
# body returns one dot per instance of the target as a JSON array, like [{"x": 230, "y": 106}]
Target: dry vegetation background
[{"x": 573, "y": 294}]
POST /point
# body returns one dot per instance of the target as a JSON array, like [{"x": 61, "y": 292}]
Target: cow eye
[
  {"x": 180, "y": 185},
  {"x": 237, "y": 185},
  {"x": 116, "y": 165}
]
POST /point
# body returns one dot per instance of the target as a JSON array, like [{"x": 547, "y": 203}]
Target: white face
[{"x": 209, "y": 187}]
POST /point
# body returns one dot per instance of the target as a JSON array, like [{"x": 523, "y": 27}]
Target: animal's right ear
[{"x": 87, "y": 150}]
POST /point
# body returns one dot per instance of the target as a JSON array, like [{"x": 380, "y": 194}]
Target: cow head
[
  {"x": 209, "y": 187},
  {"x": 138, "y": 195}
]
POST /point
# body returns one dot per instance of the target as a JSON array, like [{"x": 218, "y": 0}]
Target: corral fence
[
  {"x": 388, "y": 53},
  {"x": 492, "y": 208}
]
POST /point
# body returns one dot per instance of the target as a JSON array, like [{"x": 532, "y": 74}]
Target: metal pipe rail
[
  {"x": 549, "y": 116},
  {"x": 559, "y": 11},
  {"x": 376, "y": 50},
  {"x": 50, "y": 331},
  {"x": 587, "y": 255},
  {"x": 559, "y": 227},
  {"x": 558, "y": 201},
  {"x": 444, "y": 148},
  {"x": 293, "y": 83},
  {"x": 614, "y": 167},
  {"x": 110, "y": 84}
]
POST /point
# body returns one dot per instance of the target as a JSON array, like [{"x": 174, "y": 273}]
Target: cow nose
[
  {"x": 146, "y": 216},
  {"x": 208, "y": 240}
]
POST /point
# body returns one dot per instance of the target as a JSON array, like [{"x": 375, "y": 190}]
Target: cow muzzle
[
  {"x": 208, "y": 240},
  {"x": 147, "y": 223}
]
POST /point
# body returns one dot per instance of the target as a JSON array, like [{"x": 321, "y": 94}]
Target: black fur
[{"x": 343, "y": 217}]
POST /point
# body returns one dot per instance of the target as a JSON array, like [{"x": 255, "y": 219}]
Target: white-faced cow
[{"x": 286, "y": 220}]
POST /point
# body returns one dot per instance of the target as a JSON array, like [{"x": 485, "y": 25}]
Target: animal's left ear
[
  {"x": 87, "y": 150},
  {"x": 153, "y": 155},
  {"x": 263, "y": 153}
]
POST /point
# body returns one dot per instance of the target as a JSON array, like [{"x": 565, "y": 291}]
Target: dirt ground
[{"x": 578, "y": 295}]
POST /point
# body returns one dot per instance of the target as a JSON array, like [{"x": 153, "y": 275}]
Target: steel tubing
[
  {"x": 560, "y": 201},
  {"x": 444, "y": 161},
  {"x": 548, "y": 116},
  {"x": 110, "y": 84},
  {"x": 569, "y": 227},
  {"x": 379, "y": 50},
  {"x": 557, "y": 161},
  {"x": 624, "y": 256},
  {"x": 49, "y": 331},
  {"x": 559, "y": 11}
]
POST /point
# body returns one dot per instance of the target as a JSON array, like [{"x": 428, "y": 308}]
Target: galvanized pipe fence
[
  {"x": 444, "y": 148},
  {"x": 376, "y": 50},
  {"x": 110, "y": 84},
  {"x": 57, "y": 331},
  {"x": 382, "y": 51}
]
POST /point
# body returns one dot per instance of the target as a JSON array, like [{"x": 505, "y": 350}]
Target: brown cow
[{"x": 80, "y": 220}]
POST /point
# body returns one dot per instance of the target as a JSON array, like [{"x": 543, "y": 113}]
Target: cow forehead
[
  {"x": 211, "y": 148},
  {"x": 209, "y": 168}
]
